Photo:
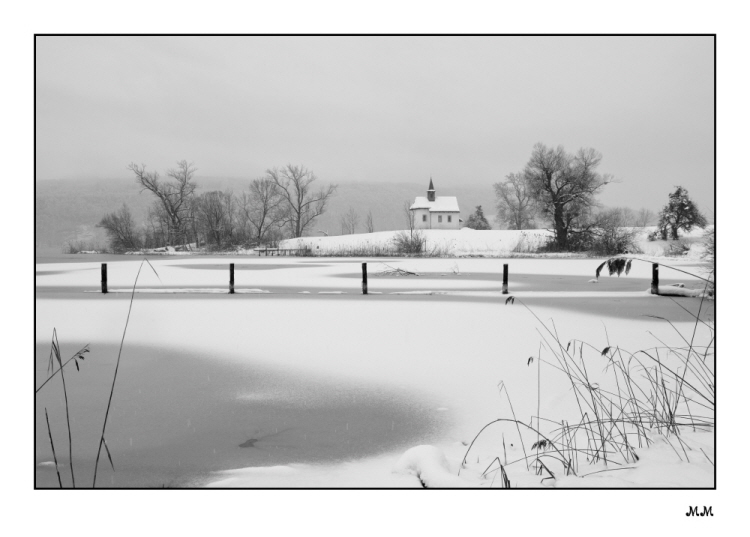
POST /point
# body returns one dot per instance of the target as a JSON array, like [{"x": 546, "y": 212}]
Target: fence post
[
  {"x": 655, "y": 279},
  {"x": 505, "y": 278},
  {"x": 104, "y": 278},
  {"x": 364, "y": 278},
  {"x": 231, "y": 278}
]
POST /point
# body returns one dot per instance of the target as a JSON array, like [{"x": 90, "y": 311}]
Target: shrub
[
  {"x": 77, "y": 247},
  {"x": 409, "y": 242},
  {"x": 610, "y": 232},
  {"x": 677, "y": 249},
  {"x": 578, "y": 241},
  {"x": 614, "y": 233}
]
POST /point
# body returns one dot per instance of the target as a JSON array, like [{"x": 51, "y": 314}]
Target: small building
[{"x": 435, "y": 212}]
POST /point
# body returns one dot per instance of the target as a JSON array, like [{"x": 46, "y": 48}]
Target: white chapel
[{"x": 435, "y": 212}]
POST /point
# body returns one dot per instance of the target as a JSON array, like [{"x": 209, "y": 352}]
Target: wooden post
[
  {"x": 231, "y": 278},
  {"x": 104, "y": 277},
  {"x": 364, "y": 278},
  {"x": 655, "y": 279},
  {"x": 505, "y": 278}
]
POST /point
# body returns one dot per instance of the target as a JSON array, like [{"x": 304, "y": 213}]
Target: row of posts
[{"x": 654, "y": 278}]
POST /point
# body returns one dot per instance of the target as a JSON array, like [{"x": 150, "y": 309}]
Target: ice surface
[{"x": 453, "y": 349}]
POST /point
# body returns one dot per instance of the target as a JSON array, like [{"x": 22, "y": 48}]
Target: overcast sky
[{"x": 461, "y": 109}]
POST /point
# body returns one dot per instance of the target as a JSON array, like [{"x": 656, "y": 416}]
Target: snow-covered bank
[
  {"x": 469, "y": 242},
  {"x": 464, "y": 242},
  {"x": 437, "y": 467}
]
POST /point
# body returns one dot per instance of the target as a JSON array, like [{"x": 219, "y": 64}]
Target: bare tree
[
  {"x": 301, "y": 203},
  {"x": 157, "y": 228},
  {"x": 214, "y": 217},
  {"x": 349, "y": 222},
  {"x": 369, "y": 226},
  {"x": 263, "y": 208},
  {"x": 644, "y": 217},
  {"x": 120, "y": 230},
  {"x": 564, "y": 186},
  {"x": 516, "y": 205},
  {"x": 411, "y": 241},
  {"x": 410, "y": 218},
  {"x": 175, "y": 197}
]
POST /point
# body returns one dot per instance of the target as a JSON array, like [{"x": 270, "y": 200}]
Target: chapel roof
[{"x": 447, "y": 204}]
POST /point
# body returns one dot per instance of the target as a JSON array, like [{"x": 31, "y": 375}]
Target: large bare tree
[
  {"x": 302, "y": 203},
  {"x": 565, "y": 186},
  {"x": 175, "y": 196},
  {"x": 516, "y": 206}
]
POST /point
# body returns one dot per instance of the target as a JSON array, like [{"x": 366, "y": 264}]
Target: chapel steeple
[{"x": 431, "y": 192}]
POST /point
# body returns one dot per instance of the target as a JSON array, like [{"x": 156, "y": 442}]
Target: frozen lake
[
  {"x": 178, "y": 417},
  {"x": 301, "y": 368}
]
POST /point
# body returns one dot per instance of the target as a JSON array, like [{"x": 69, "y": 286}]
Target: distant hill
[{"x": 68, "y": 210}]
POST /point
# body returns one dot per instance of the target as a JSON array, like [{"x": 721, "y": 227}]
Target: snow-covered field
[
  {"x": 469, "y": 242},
  {"x": 338, "y": 389}
]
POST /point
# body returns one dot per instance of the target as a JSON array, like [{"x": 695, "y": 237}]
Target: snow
[
  {"x": 376, "y": 472},
  {"x": 670, "y": 290},
  {"x": 177, "y": 290},
  {"x": 441, "y": 204},
  {"x": 659, "y": 466},
  {"x": 450, "y": 345},
  {"x": 420, "y": 293},
  {"x": 429, "y": 465},
  {"x": 489, "y": 243},
  {"x": 344, "y": 275},
  {"x": 464, "y": 242}
]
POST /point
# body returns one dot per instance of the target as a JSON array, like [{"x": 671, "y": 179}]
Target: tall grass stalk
[
  {"x": 54, "y": 455},
  {"x": 609, "y": 261},
  {"x": 117, "y": 367},
  {"x": 76, "y": 356},
  {"x": 55, "y": 351}
]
